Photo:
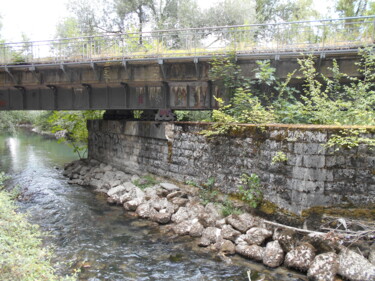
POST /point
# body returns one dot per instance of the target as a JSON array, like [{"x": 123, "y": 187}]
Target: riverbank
[
  {"x": 180, "y": 211},
  {"x": 23, "y": 256}
]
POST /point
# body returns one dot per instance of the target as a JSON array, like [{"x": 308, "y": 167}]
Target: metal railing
[{"x": 300, "y": 36}]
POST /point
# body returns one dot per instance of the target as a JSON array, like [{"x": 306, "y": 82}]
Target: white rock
[
  {"x": 169, "y": 186},
  {"x": 355, "y": 267}
]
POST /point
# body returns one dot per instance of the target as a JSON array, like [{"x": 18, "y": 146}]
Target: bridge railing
[{"x": 255, "y": 38}]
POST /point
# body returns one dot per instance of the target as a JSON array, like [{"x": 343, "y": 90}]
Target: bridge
[{"x": 165, "y": 69}]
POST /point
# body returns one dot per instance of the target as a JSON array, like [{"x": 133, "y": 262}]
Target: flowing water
[{"x": 100, "y": 239}]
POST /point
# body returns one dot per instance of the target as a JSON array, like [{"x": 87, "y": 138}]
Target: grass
[
  {"x": 145, "y": 181},
  {"x": 22, "y": 256}
]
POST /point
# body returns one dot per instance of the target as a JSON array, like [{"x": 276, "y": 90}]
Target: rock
[
  {"x": 286, "y": 237},
  {"x": 196, "y": 229},
  {"x": 225, "y": 246},
  {"x": 169, "y": 186},
  {"x": 181, "y": 215},
  {"x": 131, "y": 192},
  {"x": 221, "y": 223},
  {"x": 257, "y": 235},
  {"x": 240, "y": 240},
  {"x": 116, "y": 190},
  {"x": 210, "y": 236},
  {"x": 114, "y": 183},
  {"x": 273, "y": 254},
  {"x": 355, "y": 267},
  {"x": 150, "y": 193},
  {"x": 160, "y": 217},
  {"x": 107, "y": 168},
  {"x": 371, "y": 256},
  {"x": 134, "y": 178},
  {"x": 144, "y": 210},
  {"x": 132, "y": 205},
  {"x": 209, "y": 216},
  {"x": 184, "y": 227},
  {"x": 324, "y": 267},
  {"x": 181, "y": 202},
  {"x": 242, "y": 222},
  {"x": 228, "y": 232},
  {"x": 252, "y": 252},
  {"x": 177, "y": 193},
  {"x": 301, "y": 257},
  {"x": 109, "y": 176}
]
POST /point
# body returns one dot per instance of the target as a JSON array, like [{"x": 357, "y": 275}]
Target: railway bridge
[{"x": 166, "y": 70}]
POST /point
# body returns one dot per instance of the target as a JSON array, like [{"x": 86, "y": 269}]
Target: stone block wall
[{"x": 312, "y": 175}]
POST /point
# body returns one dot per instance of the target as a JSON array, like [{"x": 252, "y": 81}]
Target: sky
[{"x": 37, "y": 18}]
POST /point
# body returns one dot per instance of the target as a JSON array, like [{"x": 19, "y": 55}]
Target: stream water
[{"x": 101, "y": 239}]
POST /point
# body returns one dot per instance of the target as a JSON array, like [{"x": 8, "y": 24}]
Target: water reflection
[{"x": 100, "y": 239}]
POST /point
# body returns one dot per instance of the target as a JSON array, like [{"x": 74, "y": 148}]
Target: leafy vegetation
[
  {"x": 70, "y": 127},
  {"x": 251, "y": 190},
  {"x": 266, "y": 99},
  {"x": 22, "y": 256},
  {"x": 349, "y": 139},
  {"x": 145, "y": 181},
  {"x": 279, "y": 157}
]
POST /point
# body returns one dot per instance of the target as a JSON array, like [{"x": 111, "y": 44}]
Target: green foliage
[
  {"x": 71, "y": 128},
  {"x": 228, "y": 208},
  {"x": 10, "y": 119},
  {"x": 349, "y": 139},
  {"x": 22, "y": 255},
  {"x": 200, "y": 115},
  {"x": 279, "y": 157},
  {"x": 338, "y": 103},
  {"x": 251, "y": 190},
  {"x": 145, "y": 181}
]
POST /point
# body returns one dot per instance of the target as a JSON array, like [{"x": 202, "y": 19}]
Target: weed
[
  {"x": 229, "y": 209},
  {"x": 145, "y": 181},
  {"x": 251, "y": 190},
  {"x": 279, "y": 157}
]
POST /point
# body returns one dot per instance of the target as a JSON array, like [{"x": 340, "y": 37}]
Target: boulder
[
  {"x": 252, "y": 252},
  {"x": 175, "y": 194},
  {"x": 161, "y": 217},
  {"x": 301, "y": 257},
  {"x": 116, "y": 190},
  {"x": 287, "y": 238},
  {"x": 181, "y": 215},
  {"x": 181, "y": 202},
  {"x": 257, "y": 235},
  {"x": 241, "y": 222},
  {"x": 371, "y": 256},
  {"x": 169, "y": 186},
  {"x": 196, "y": 229},
  {"x": 273, "y": 254},
  {"x": 210, "y": 236},
  {"x": 132, "y": 205},
  {"x": 229, "y": 233},
  {"x": 240, "y": 240},
  {"x": 209, "y": 215},
  {"x": 225, "y": 246},
  {"x": 184, "y": 227},
  {"x": 355, "y": 267},
  {"x": 144, "y": 210},
  {"x": 324, "y": 267}
]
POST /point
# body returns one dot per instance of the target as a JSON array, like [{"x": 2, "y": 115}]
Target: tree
[
  {"x": 68, "y": 28},
  {"x": 353, "y": 8}
]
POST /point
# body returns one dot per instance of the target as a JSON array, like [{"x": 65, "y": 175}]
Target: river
[{"x": 103, "y": 240}]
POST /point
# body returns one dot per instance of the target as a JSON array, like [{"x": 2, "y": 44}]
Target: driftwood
[{"x": 343, "y": 230}]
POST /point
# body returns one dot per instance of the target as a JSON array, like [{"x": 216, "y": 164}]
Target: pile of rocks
[{"x": 182, "y": 213}]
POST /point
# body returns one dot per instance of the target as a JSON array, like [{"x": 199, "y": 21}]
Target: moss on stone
[{"x": 344, "y": 211}]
